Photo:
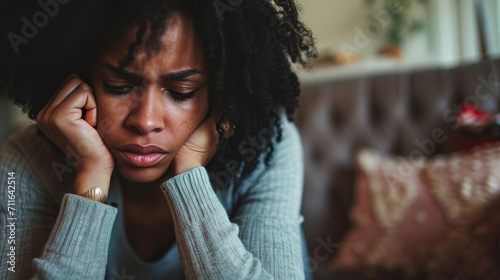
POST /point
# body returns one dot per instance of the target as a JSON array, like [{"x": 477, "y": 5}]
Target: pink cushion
[{"x": 404, "y": 212}]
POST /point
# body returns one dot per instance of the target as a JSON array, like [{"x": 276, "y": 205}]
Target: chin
[{"x": 142, "y": 175}]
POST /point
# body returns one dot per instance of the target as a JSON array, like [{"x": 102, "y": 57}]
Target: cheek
[
  {"x": 108, "y": 116},
  {"x": 202, "y": 105},
  {"x": 185, "y": 118},
  {"x": 200, "y": 109}
]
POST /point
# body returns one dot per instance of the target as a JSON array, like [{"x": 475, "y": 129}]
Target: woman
[{"x": 170, "y": 109}]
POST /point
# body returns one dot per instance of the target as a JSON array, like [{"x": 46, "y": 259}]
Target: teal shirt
[{"x": 245, "y": 231}]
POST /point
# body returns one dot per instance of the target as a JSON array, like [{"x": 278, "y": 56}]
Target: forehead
[{"x": 179, "y": 47}]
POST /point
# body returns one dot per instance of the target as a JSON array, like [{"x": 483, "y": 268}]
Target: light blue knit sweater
[{"x": 249, "y": 231}]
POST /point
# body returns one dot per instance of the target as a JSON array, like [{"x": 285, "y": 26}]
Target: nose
[{"x": 146, "y": 112}]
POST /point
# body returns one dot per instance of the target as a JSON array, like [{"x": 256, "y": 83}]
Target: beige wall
[{"x": 334, "y": 22}]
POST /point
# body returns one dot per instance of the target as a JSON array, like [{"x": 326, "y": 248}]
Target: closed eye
[
  {"x": 117, "y": 89},
  {"x": 179, "y": 96}
]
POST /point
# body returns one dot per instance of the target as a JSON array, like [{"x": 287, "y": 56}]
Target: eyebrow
[
  {"x": 176, "y": 76},
  {"x": 180, "y": 75}
]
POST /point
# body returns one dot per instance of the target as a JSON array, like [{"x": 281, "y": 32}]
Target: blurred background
[
  {"x": 386, "y": 96},
  {"x": 360, "y": 36},
  {"x": 390, "y": 75}
]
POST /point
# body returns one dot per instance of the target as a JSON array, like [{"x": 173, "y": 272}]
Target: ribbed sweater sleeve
[
  {"x": 78, "y": 245},
  {"x": 72, "y": 246},
  {"x": 262, "y": 240}
]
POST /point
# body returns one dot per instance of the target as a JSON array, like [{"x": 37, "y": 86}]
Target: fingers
[
  {"x": 91, "y": 116},
  {"x": 80, "y": 98},
  {"x": 66, "y": 87},
  {"x": 72, "y": 96},
  {"x": 57, "y": 91},
  {"x": 71, "y": 85},
  {"x": 211, "y": 124}
]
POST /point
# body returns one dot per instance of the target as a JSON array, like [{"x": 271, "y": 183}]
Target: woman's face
[{"x": 147, "y": 111}]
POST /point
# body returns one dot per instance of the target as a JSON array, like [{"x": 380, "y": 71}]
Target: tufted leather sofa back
[{"x": 396, "y": 113}]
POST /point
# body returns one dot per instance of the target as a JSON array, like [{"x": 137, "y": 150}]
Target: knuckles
[
  {"x": 84, "y": 88},
  {"x": 51, "y": 118},
  {"x": 74, "y": 79},
  {"x": 55, "y": 119}
]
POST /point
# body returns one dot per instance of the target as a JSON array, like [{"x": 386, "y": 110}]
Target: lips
[{"x": 142, "y": 156}]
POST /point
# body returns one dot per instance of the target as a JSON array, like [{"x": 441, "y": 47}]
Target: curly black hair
[{"x": 250, "y": 45}]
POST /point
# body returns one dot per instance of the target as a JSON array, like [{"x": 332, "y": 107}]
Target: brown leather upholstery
[{"x": 388, "y": 112}]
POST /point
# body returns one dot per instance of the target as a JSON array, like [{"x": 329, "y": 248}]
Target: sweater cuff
[
  {"x": 82, "y": 229},
  {"x": 191, "y": 197}
]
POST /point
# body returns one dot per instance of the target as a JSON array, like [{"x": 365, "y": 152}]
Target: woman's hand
[
  {"x": 199, "y": 149},
  {"x": 61, "y": 121}
]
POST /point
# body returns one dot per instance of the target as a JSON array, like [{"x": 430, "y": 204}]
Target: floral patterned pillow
[{"x": 406, "y": 213}]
